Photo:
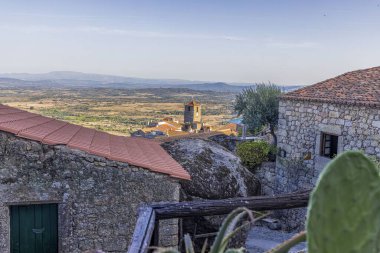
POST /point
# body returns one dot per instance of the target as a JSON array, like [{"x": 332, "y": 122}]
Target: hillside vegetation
[{"x": 119, "y": 111}]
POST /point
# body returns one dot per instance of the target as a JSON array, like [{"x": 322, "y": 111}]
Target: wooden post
[
  {"x": 141, "y": 238},
  {"x": 225, "y": 206}
]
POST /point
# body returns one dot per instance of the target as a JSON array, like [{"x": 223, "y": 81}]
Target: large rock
[
  {"x": 216, "y": 172},
  {"x": 226, "y": 141}
]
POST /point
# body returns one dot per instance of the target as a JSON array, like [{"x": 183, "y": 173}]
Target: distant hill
[
  {"x": 82, "y": 80},
  {"x": 104, "y": 79},
  {"x": 214, "y": 87}
]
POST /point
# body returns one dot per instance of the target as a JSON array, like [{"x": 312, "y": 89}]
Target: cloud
[
  {"x": 290, "y": 45},
  {"x": 31, "y": 29},
  {"x": 154, "y": 34},
  {"x": 52, "y": 16},
  {"x": 117, "y": 31}
]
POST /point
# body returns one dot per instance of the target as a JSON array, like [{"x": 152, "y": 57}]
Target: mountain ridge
[{"x": 79, "y": 79}]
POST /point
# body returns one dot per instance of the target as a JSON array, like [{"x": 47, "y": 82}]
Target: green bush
[{"x": 253, "y": 153}]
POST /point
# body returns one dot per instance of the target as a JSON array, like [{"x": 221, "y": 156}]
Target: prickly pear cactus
[{"x": 344, "y": 209}]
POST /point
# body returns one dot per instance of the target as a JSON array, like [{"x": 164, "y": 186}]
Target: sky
[{"x": 293, "y": 42}]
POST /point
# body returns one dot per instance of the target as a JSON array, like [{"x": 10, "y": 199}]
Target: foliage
[
  {"x": 343, "y": 209},
  {"x": 287, "y": 245},
  {"x": 273, "y": 150},
  {"x": 259, "y": 106},
  {"x": 375, "y": 161},
  {"x": 120, "y": 111},
  {"x": 253, "y": 153},
  {"x": 343, "y": 213},
  {"x": 228, "y": 230}
]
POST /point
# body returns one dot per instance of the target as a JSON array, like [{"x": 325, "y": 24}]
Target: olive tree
[{"x": 259, "y": 107}]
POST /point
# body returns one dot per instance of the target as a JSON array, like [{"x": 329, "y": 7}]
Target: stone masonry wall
[
  {"x": 97, "y": 198},
  {"x": 266, "y": 174},
  {"x": 299, "y": 135}
]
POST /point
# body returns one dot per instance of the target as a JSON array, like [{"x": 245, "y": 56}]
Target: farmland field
[{"x": 118, "y": 111}]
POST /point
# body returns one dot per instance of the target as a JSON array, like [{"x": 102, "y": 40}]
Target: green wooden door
[{"x": 34, "y": 228}]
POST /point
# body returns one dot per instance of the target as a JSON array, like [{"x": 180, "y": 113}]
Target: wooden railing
[{"x": 146, "y": 229}]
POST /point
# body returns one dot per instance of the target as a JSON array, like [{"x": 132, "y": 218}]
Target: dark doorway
[
  {"x": 329, "y": 145},
  {"x": 34, "y": 228}
]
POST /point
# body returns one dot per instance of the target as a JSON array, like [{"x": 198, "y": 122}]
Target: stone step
[{"x": 262, "y": 239}]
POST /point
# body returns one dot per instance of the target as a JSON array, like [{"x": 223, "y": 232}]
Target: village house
[
  {"x": 66, "y": 188},
  {"x": 170, "y": 126},
  {"x": 318, "y": 122}
]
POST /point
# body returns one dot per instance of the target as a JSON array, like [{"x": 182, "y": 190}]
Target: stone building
[
  {"x": 193, "y": 116},
  {"x": 65, "y": 188},
  {"x": 193, "y": 112},
  {"x": 322, "y": 120}
]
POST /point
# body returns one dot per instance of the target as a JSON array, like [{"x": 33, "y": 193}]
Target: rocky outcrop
[
  {"x": 226, "y": 141},
  {"x": 216, "y": 174}
]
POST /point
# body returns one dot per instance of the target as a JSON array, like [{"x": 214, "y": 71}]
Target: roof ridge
[
  {"x": 10, "y": 108},
  {"x": 34, "y": 116},
  {"x": 138, "y": 152},
  {"x": 358, "y": 87}
]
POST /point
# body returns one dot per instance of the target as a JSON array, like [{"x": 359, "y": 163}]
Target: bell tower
[{"x": 193, "y": 112}]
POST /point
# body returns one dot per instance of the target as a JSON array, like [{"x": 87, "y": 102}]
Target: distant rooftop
[
  {"x": 237, "y": 121},
  {"x": 135, "y": 151},
  {"x": 193, "y": 103},
  {"x": 360, "y": 87}
]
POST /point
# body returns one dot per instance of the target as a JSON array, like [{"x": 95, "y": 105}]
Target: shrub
[{"x": 253, "y": 153}]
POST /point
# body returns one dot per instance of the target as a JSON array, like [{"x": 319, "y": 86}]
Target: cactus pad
[{"x": 344, "y": 208}]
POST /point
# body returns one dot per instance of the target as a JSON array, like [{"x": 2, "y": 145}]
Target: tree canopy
[{"x": 259, "y": 107}]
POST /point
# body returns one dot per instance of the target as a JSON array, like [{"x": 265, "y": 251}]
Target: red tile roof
[
  {"x": 135, "y": 151},
  {"x": 361, "y": 87},
  {"x": 229, "y": 126}
]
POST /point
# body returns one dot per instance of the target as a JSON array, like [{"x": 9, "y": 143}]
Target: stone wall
[
  {"x": 97, "y": 198},
  {"x": 299, "y": 135},
  {"x": 266, "y": 174}
]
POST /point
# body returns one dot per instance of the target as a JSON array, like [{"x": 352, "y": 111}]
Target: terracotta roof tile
[
  {"x": 360, "y": 87},
  {"x": 39, "y": 132},
  {"x": 136, "y": 151},
  {"x": 62, "y": 135},
  {"x": 17, "y": 125},
  {"x": 100, "y": 144},
  {"x": 10, "y": 117},
  {"x": 82, "y": 139},
  {"x": 9, "y": 111},
  {"x": 229, "y": 126}
]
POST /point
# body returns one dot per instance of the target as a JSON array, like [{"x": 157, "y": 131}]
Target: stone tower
[{"x": 193, "y": 113}]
